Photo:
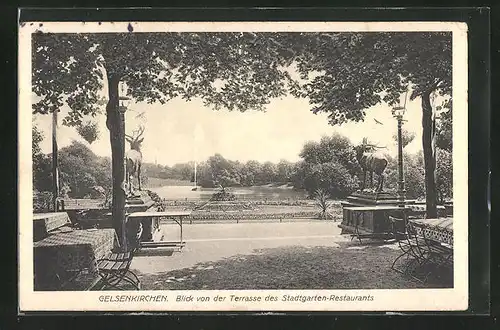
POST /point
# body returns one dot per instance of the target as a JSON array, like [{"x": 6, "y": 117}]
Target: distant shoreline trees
[{"x": 328, "y": 165}]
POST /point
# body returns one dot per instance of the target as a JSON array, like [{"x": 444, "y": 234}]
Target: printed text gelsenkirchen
[{"x": 237, "y": 298}]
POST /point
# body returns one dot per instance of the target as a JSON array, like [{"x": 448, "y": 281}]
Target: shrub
[
  {"x": 42, "y": 201},
  {"x": 331, "y": 177},
  {"x": 80, "y": 172},
  {"x": 322, "y": 200},
  {"x": 414, "y": 175},
  {"x": 223, "y": 195}
]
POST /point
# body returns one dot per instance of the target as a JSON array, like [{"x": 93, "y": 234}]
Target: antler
[
  {"x": 136, "y": 134},
  {"x": 375, "y": 146},
  {"x": 140, "y": 131},
  {"x": 366, "y": 144}
]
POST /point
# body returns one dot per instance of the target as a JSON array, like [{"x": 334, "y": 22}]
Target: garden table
[
  {"x": 70, "y": 252},
  {"x": 44, "y": 223},
  {"x": 153, "y": 223},
  {"x": 438, "y": 230}
]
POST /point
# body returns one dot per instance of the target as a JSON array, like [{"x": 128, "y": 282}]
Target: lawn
[
  {"x": 274, "y": 256},
  {"x": 292, "y": 267}
]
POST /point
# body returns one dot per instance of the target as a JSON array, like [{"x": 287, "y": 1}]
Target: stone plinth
[
  {"x": 368, "y": 198},
  {"x": 140, "y": 202},
  {"x": 367, "y": 213},
  {"x": 366, "y": 220}
]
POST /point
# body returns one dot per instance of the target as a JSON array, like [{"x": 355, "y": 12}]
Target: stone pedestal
[
  {"x": 367, "y": 213},
  {"x": 140, "y": 202},
  {"x": 369, "y": 198}
]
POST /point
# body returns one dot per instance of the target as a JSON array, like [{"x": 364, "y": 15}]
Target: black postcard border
[{"x": 479, "y": 112}]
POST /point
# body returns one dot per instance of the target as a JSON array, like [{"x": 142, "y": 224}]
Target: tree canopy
[
  {"x": 407, "y": 137},
  {"x": 355, "y": 71},
  {"x": 239, "y": 71},
  {"x": 444, "y": 138},
  {"x": 89, "y": 131},
  {"x": 329, "y": 165},
  {"x": 360, "y": 70},
  {"x": 236, "y": 71},
  {"x": 36, "y": 139}
]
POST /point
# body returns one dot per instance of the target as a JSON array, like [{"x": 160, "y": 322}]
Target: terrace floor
[{"x": 288, "y": 255}]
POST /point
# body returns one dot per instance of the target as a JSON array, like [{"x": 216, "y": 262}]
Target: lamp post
[
  {"x": 122, "y": 108},
  {"x": 398, "y": 112}
]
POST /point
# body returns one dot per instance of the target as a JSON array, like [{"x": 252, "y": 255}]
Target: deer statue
[
  {"x": 134, "y": 157},
  {"x": 371, "y": 162}
]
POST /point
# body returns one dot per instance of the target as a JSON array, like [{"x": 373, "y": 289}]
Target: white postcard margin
[{"x": 261, "y": 300}]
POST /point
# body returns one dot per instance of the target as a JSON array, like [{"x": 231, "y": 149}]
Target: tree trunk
[
  {"x": 116, "y": 126},
  {"x": 428, "y": 140}
]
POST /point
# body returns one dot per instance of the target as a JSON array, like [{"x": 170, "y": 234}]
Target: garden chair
[
  {"x": 399, "y": 230},
  {"x": 420, "y": 257},
  {"x": 438, "y": 255},
  {"x": 413, "y": 247},
  {"x": 114, "y": 269}
]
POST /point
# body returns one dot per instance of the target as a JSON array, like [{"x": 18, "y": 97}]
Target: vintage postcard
[{"x": 243, "y": 166}]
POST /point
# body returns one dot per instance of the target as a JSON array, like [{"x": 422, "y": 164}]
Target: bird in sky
[
  {"x": 378, "y": 122},
  {"x": 141, "y": 115}
]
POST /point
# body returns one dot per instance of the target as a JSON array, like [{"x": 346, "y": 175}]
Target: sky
[{"x": 181, "y": 131}]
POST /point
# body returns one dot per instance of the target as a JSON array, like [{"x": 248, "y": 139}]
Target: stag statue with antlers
[
  {"x": 134, "y": 157},
  {"x": 371, "y": 161}
]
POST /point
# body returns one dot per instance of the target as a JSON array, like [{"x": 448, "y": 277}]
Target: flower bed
[
  {"x": 230, "y": 216},
  {"x": 251, "y": 210},
  {"x": 193, "y": 203},
  {"x": 251, "y": 216}
]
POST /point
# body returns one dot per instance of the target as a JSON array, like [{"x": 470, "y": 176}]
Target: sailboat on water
[{"x": 195, "y": 188}]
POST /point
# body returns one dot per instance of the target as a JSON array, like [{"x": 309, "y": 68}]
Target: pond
[{"x": 242, "y": 193}]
